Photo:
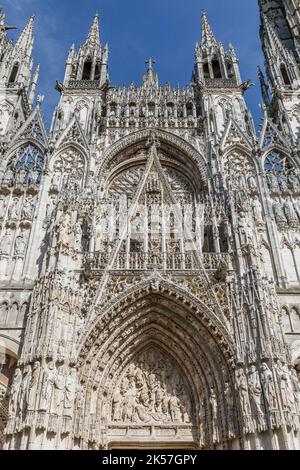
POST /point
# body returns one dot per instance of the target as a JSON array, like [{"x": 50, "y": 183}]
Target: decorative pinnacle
[
  {"x": 26, "y": 38},
  {"x": 94, "y": 33},
  {"x": 208, "y": 38},
  {"x": 150, "y": 63}
]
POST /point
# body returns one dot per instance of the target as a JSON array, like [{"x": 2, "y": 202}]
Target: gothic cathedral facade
[{"x": 150, "y": 251}]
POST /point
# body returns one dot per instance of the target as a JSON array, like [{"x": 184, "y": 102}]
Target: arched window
[
  {"x": 27, "y": 165},
  {"x": 97, "y": 71},
  {"x": 285, "y": 76},
  {"x": 68, "y": 168},
  {"x": 14, "y": 73},
  {"x": 277, "y": 164},
  {"x": 87, "y": 69},
  {"x": 206, "y": 70},
  {"x": 216, "y": 69}
]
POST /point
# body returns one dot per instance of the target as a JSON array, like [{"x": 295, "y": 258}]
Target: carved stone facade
[{"x": 150, "y": 252}]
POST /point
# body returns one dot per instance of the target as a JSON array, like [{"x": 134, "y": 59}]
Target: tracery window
[
  {"x": 277, "y": 164},
  {"x": 68, "y": 168},
  {"x": 26, "y": 166}
]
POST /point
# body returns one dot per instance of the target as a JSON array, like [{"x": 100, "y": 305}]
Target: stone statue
[
  {"x": 70, "y": 393},
  {"x": 296, "y": 389},
  {"x": 245, "y": 229},
  {"x": 20, "y": 245},
  {"x": 243, "y": 391},
  {"x": 24, "y": 387},
  {"x": 294, "y": 182},
  {"x": 33, "y": 385},
  {"x": 13, "y": 210},
  {"x": 284, "y": 184},
  {"x": 255, "y": 390},
  {"x": 214, "y": 414},
  {"x": 9, "y": 177},
  {"x": 64, "y": 229},
  {"x": 14, "y": 392},
  {"x": 28, "y": 208},
  {"x": 58, "y": 392},
  {"x": 252, "y": 183},
  {"x": 273, "y": 183},
  {"x": 5, "y": 242},
  {"x": 269, "y": 387},
  {"x": 47, "y": 386},
  {"x": 257, "y": 210},
  {"x": 3, "y": 206},
  {"x": 230, "y": 408},
  {"x": 290, "y": 212},
  {"x": 279, "y": 213}
]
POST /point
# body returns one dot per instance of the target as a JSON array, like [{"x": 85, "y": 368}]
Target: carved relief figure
[{"x": 150, "y": 393}]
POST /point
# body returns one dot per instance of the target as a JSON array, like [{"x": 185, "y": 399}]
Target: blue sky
[{"x": 135, "y": 30}]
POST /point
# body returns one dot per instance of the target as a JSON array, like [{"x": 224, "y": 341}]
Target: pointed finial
[
  {"x": 150, "y": 62},
  {"x": 93, "y": 38},
  {"x": 26, "y": 38},
  {"x": 208, "y": 38}
]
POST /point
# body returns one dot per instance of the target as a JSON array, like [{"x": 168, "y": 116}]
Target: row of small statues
[
  {"x": 15, "y": 210},
  {"x": 20, "y": 242},
  {"x": 24, "y": 177}
]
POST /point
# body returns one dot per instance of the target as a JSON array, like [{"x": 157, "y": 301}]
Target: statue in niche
[
  {"x": 47, "y": 386},
  {"x": 252, "y": 183},
  {"x": 70, "y": 392},
  {"x": 28, "y": 208},
  {"x": 294, "y": 182},
  {"x": 34, "y": 176},
  {"x": 14, "y": 392},
  {"x": 285, "y": 387},
  {"x": 230, "y": 408},
  {"x": 284, "y": 184},
  {"x": 202, "y": 422},
  {"x": 290, "y": 212},
  {"x": 64, "y": 229},
  {"x": 5, "y": 242},
  {"x": 279, "y": 213},
  {"x": 58, "y": 392},
  {"x": 257, "y": 210},
  {"x": 13, "y": 211},
  {"x": 243, "y": 391},
  {"x": 269, "y": 386},
  {"x": 9, "y": 177},
  {"x": 23, "y": 394},
  {"x": 33, "y": 386},
  {"x": 241, "y": 201},
  {"x": 296, "y": 389},
  {"x": 214, "y": 414},
  {"x": 20, "y": 245},
  {"x": 3, "y": 206},
  {"x": 273, "y": 183},
  {"x": 245, "y": 229},
  {"x": 297, "y": 208},
  {"x": 255, "y": 392},
  {"x": 152, "y": 391}
]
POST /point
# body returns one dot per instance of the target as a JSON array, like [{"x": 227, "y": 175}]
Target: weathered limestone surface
[{"x": 150, "y": 251}]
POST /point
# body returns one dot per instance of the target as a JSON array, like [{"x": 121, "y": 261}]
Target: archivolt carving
[
  {"x": 117, "y": 347},
  {"x": 165, "y": 137}
]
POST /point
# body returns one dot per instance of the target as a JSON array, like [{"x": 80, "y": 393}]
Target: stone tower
[{"x": 150, "y": 251}]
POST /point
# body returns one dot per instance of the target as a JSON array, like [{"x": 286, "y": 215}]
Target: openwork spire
[
  {"x": 208, "y": 38},
  {"x": 93, "y": 38},
  {"x": 25, "y": 40}
]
